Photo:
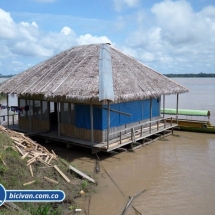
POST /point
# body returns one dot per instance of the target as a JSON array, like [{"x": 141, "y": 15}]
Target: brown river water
[{"x": 177, "y": 172}]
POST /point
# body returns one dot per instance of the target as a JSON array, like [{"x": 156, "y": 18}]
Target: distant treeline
[
  {"x": 6, "y": 76},
  {"x": 190, "y": 75}
]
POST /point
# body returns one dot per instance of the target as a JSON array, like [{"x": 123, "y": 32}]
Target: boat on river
[{"x": 188, "y": 121}]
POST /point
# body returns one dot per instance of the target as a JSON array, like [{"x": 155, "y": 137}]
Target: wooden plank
[
  {"x": 19, "y": 144},
  {"x": 35, "y": 153},
  {"x": 32, "y": 158},
  {"x": 3, "y": 161},
  {"x": 42, "y": 161},
  {"x": 28, "y": 183},
  {"x": 25, "y": 155},
  {"x": 31, "y": 171},
  {"x": 62, "y": 161},
  {"x": 62, "y": 174},
  {"x": 47, "y": 158},
  {"x": 82, "y": 174},
  {"x": 50, "y": 159},
  {"x": 32, "y": 161},
  {"x": 51, "y": 180},
  {"x": 20, "y": 151},
  {"x": 54, "y": 153}
]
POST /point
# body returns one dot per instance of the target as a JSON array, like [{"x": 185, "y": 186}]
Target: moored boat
[{"x": 191, "y": 124}]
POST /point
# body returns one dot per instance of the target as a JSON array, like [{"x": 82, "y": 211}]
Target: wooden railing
[
  {"x": 140, "y": 127},
  {"x": 7, "y": 119}
]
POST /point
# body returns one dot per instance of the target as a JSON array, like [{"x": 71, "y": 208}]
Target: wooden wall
[
  {"x": 36, "y": 125},
  {"x": 40, "y": 125},
  {"x": 81, "y": 133},
  {"x": 24, "y": 123}
]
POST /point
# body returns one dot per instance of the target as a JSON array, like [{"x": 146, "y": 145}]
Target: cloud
[
  {"x": 7, "y": 26},
  {"x": 173, "y": 34},
  {"x": 120, "y": 4},
  {"x": 89, "y": 39},
  {"x": 25, "y": 39}
]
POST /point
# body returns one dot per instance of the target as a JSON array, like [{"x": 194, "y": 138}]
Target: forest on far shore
[{"x": 190, "y": 75}]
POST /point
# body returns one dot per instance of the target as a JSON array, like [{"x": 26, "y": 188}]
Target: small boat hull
[{"x": 195, "y": 126}]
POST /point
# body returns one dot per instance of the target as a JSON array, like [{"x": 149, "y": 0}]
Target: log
[
  {"x": 51, "y": 180},
  {"x": 28, "y": 183},
  {"x": 62, "y": 174}
]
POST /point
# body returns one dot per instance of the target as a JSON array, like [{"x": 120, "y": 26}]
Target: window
[
  {"x": 45, "y": 113},
  {"x": 36, "y": 109},
  {"x": 22, "y": 104}
]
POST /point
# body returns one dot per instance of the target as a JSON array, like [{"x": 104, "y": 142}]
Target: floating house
[{"x": 93, "y": 96}]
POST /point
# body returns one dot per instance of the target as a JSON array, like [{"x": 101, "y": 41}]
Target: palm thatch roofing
[{"x": 75, "y": 75}]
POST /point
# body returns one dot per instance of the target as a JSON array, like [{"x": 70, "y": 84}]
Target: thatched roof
[{"x": 75, "y": 74}]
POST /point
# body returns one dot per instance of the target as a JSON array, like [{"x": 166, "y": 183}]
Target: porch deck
[{"x": 127, "y": 136}]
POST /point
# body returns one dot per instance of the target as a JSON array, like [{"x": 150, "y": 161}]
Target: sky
[{"x": 169, "y": 36}]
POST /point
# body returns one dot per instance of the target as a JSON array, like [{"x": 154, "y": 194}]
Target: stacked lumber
[
  {"x": 29, "y": 148},
  {"x": 32, "y": 150}
]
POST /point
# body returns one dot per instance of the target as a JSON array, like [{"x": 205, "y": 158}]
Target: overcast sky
[{"x": 168, "y": 36}]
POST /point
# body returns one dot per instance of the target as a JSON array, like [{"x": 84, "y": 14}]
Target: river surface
[
  {"x": 177, "y": 172},
  {"x": 201, "y": 95}
]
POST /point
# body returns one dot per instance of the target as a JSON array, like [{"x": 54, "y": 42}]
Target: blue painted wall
[{"x": 139, "y": 110}]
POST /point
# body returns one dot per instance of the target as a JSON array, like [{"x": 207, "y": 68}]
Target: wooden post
[
  {"x": 7, "y": 111},
  {"x": 177, "y": 109},
  {"x": 18, "y": 111},
  {"x": 133, "y": 139},
  {"x": 58, "y": 118},
  {"x": 141, "y": 130},
  {"x": 120, "y": 137},
  {"x": 171, "y": 125},
  {"x": 91, "y": 121},
  {"x": 48, "y": 109},
  {"x": 69, "y": 111},
  {"x": 41, "y": 110},
  {"x": 108, "y": 124},
  {"x": 163, "y": 106},
  {"x": 29, "y": 113},
  {"x": 150, "y": 130}
]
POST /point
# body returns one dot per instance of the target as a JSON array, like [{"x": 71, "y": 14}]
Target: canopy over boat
[{"x": 186, "y": 112}]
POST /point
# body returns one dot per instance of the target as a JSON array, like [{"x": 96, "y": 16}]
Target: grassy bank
[{"x": 14, "y": 173}]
